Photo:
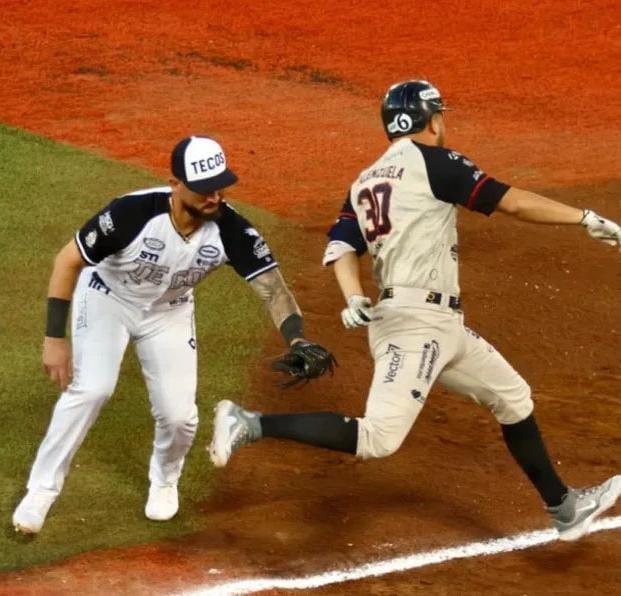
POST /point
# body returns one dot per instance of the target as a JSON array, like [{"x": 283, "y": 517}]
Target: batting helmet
[{"x": 408, "y": 106}]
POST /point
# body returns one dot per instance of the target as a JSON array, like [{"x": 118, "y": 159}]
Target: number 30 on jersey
[{"x": 376, "y": 200}]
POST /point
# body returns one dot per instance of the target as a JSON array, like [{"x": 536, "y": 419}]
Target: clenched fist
[
  {"x": 601, "y": 228},
  {"x": 359, "y": 312}
]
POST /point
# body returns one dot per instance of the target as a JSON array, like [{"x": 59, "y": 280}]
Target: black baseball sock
[
  {"x": 321, "y": 429},
  {"x": 526, "y": 445}
]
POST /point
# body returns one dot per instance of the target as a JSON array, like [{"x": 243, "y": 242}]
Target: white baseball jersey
[
  {"x": 141, "y": 258},
  {"x": 139, "y": 288},
  {"x": 402, "y": 209}
]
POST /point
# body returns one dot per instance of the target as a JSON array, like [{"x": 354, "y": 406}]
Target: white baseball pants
[
  {"x": 413, "y": 346},
  {"x": 165, "y": 343}
]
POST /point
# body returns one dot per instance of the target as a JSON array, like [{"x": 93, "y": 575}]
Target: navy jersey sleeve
[
  {"x": 117, "y": 224},
  {"x": 247, "y": 251},
  {"x": 456, "y": 179},
  {"x": 346, "y": 229}
]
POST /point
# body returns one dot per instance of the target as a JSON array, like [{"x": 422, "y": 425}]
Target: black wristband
[
  {"x": 57, "y": 314},
  {"x": 291, "y": 328}
]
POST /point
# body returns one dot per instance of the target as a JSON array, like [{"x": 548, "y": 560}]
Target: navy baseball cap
[{"x": 199, "y": 163}]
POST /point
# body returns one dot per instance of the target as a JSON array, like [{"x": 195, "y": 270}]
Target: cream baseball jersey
[
  {"x": 141, "y": 258},
  {"x": 402, "y": 209}
]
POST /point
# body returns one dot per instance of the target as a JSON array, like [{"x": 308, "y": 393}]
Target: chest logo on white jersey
[
  {"x": 148, "y": 271},
  {"x": 154, "y": 243},
  {"x": 187, "y": 278},
  {"x": 209, "y": 251}
]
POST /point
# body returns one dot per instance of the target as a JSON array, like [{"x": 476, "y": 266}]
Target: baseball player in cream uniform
[
  {"x": 402, "y": 209},
  {"x": 130, "y": 272}
]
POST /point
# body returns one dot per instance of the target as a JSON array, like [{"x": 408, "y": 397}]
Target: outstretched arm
[
  {"x": 305, "y": 360},
  {"x": 280, "y": 303},
  {"x": 529, "y": 206}
]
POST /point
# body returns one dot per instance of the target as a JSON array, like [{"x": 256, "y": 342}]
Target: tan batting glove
[{"x": 602, "y": 229}]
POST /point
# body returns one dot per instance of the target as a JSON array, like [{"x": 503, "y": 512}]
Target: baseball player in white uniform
[
  {"x": 130, "y": 271},
  {"x": 402, "y": 209}
]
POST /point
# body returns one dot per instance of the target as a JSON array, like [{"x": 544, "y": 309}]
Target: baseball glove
[{"x": 304, "y": 361}]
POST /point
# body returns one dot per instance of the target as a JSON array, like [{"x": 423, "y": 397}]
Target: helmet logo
[
  {"x": 401, "y": 123},
  {"x": 426, "y": 94}
]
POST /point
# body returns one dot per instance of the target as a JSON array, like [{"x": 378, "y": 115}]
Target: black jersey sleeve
[
  {"x": 346, "y": 228},
  {"x": 117, "y": 224},
  {"x": 247, "y": 251},
  {"x": 455, "y": 179}
]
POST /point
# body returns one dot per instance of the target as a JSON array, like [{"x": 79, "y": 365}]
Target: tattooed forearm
[{"x": 275, "y": 294}]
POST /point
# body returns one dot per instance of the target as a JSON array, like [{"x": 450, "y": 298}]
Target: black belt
[{"x": 454, "y": 302}]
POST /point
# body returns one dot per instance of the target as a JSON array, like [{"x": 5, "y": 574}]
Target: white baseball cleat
[
  {"x": 573, "y": 517},
  {"x": 233, "y": 427},
  {"x": 163, "y": 502},
  {"x": 30, "y": 514}
]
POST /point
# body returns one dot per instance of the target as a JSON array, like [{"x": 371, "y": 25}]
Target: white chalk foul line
[{"x": 405, "y": 563}]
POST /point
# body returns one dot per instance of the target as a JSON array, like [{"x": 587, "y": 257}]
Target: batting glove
[
  {"x": 359, "y": 312},
  {"x": 601, "y": 228}
]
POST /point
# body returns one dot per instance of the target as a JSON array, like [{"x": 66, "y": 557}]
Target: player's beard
[{"x": 201, "y": 215}]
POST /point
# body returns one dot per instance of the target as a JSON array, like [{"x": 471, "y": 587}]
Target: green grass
[{"x": 49, "y": 190}]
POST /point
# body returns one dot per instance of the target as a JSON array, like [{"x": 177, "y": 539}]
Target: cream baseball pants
[{"x": 415, "y": 345}]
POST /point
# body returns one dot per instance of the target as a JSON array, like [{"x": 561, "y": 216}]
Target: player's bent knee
[
  {"x": 377, "y": 439},
  {"x": 514, "y": 406}
]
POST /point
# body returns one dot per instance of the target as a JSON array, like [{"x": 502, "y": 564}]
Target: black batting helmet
[{"x": 408, "y": 106}]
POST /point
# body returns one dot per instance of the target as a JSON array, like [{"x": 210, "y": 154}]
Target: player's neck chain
[{"x": 185, "y": 237}]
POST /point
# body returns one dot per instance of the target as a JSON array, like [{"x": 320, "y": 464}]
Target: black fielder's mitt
[{"x": 304, "y": 361}]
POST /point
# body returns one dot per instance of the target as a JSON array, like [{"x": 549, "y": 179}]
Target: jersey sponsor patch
[
  {"x": 431, "y": 353},
  {"x": 260, "y": 249},
  {"x": 395, "y": 364},
  {"x": 209, "y": 251},
  {"x": 91, "y": 238},
  {"x": 154, "y": 243},
  {"x": 106, "y": 225}
]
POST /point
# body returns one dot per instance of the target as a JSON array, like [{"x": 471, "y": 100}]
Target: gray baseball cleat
[
  {"x": 580, "y": 507},
  {"x": 233, "y": 427},
  {"x": 30, "y": 514}
]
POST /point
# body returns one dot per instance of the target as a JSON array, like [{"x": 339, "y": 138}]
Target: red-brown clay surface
[{"x": 292, "y": 92}]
